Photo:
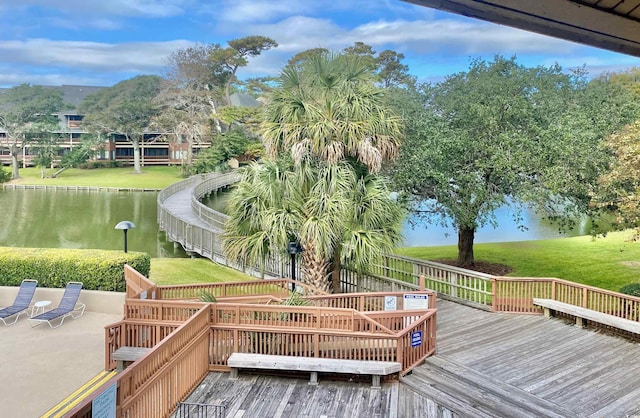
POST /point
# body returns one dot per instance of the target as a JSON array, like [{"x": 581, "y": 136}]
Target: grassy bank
[
  {"x": 151, "y": 177},
  {"x": 165, "y": 271},
  {"x": 609, "y": 263}
]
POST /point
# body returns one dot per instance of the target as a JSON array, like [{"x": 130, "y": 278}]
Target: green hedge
[{"x": 96, "y": 269}]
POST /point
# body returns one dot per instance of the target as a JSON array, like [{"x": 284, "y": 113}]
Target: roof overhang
[{"x": 607, "y": 24}]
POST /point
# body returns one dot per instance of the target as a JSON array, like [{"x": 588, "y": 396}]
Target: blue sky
[{"x": 101, "y": 42}]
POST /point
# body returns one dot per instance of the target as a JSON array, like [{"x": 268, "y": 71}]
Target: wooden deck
[
  {"x": 582, "y": 371},
  {"x": 268, "y": 396},
  {"x": 487, "y": 365}
]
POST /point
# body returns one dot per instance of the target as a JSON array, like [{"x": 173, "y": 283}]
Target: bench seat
[
  {"x": 124, "y": 355},
  {"x": 312, "y": 364},
  {"x": 583, "y": 313}
]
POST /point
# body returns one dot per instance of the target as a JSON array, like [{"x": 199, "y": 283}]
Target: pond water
[{"x": 83, "y": 219}]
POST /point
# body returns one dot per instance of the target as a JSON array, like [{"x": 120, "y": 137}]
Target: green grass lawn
[
  {"x": 609, "y": 263},
  {"x": 165, "y": 271},
  {"x": 151, "y": 177}
]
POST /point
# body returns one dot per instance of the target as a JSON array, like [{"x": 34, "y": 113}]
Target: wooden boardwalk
[
  {"x": 179, "y": 204},
  {"x": 487, "y": 365}
]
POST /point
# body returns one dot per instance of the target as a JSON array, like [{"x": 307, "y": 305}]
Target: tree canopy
[
  {"x": 27, "y": 109},
  {"x": 330, "y": 109},
  {"x": 500, "y": 133},
  {"x": 127, "y": 108},
  {"x": 237, "y": 55}
]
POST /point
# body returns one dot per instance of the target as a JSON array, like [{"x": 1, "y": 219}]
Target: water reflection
[{"x": 82, "y": 219}]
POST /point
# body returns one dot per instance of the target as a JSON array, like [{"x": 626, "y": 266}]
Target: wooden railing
[
  {"x": 274, "y": 287},
  {"x": 154, "y": 385},
  {"x": 170, "y": 311},
  {"x": 173, "y": 368},
  {"x": 366, "y": 302},
  {"x": 398, "y": 273},
  {"x": 516, "y": 294},
  {"x": 321, "y": 332},
  {"x": 138, "y": 286}
]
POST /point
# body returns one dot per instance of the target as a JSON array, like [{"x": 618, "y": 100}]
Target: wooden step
[{"x": 469, "y": 393}]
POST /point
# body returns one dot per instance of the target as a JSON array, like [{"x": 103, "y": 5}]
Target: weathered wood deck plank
[
  {"x": 582, "y": 370},
  {"x": 283, "y": 397}
]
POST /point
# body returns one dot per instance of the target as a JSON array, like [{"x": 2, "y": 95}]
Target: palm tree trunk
[{"x": 315, "y": 269}]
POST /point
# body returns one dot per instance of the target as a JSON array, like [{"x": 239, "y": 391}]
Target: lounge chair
[
  {"x": 21, "y": 302},
  {"x": 68, "y": 306}
]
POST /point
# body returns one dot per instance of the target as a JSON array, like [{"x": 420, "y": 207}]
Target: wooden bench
[
  {"x": 126, "y": 355},
  {"x": 581, "y": 313},
  {"x": 312, "y": 364}
]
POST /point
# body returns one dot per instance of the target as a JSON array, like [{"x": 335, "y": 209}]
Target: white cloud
[
  {"x": 80, "y": 8},
  {"x": 413, "y": 38},
  {"x": 236, "y": 11},
  {"x": 142, "y": 57}
]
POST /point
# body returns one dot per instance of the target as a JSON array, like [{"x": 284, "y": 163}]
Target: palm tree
[
  {"x": 338, "y": 216},
  {"x": 330, "y": 108},
  {"x": 332, "y": 130}
]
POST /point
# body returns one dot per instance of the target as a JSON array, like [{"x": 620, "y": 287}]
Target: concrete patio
[{"x": 42, "y": 366}]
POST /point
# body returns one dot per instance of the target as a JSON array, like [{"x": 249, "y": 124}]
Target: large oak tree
[{"x": 502, "y": 133}]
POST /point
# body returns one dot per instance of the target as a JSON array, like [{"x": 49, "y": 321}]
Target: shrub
[
  {"x": 632, "y": 289},
  {"x": 96, "y": 269},
  {"x": 5, "y": 175},
  {"x": 90, "y": 165}
]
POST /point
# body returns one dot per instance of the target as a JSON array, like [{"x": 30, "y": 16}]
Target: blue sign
[
  {"x": 104, "y": 405},
  {"x": 416, "y": 339}
]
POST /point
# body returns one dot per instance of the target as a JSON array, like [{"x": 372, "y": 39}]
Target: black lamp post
[
  {"x": 125, "y": 226},
  {"x": 293, "y": 248}
]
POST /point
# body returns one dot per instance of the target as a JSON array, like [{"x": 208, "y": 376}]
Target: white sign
[
  {"x": 104, "y": 405},
  {"x": 390, "y": 303},
  {"x": 416, "y": 301}
]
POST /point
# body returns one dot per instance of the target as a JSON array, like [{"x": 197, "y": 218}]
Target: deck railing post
[{"x": 493, "y": 295}]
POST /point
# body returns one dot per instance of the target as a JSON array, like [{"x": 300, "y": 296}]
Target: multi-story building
[{"x": 154, "y": 149}]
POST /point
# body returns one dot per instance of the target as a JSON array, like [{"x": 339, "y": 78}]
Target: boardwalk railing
[
  {"x": 207, "y": 240},
  {"x": 516, "y": 294},
  {"x": 208, "y": 185},
  {"x": 397, "y": 273}
]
